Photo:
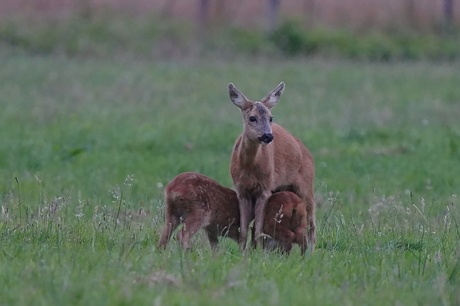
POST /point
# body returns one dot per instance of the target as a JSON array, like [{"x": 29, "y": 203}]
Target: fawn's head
[{"x": 257, "y": 118}]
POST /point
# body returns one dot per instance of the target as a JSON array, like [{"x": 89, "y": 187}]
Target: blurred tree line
[
  {"x": 370, "y": 29},
  {"x": 273, "y": 11},
  {"x": 418, "y": 15}
]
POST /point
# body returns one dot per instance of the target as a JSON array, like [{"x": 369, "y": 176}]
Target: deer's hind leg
[
  {"x": 172, "y": 222},
  {"x": 302, "y": 240},
  {"x": 306, "y": 194},
  {"x": 212, "y": 233},
  {"x": 196, "y": 220}
]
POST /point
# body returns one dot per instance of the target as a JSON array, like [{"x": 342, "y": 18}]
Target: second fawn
[{"x": 285, "y": 222}]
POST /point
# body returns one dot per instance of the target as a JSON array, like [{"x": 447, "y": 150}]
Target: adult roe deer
[{"x": 266, "y": 158}]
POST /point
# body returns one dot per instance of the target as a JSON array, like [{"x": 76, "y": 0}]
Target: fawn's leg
[
  {"x": 302, "y": 240},
  {"x": 191, "y": 226},
  {"x": 311, "y": 222},
  {"x": 168, "y": 229},
  {"x": 309, "y": 201},
  {"x": 212, "y": 237}
]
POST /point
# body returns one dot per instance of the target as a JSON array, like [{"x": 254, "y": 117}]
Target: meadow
[{"x": 87, "y": 146}]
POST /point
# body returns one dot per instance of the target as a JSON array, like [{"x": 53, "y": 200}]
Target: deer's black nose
[{"x": 266, "y": 138}]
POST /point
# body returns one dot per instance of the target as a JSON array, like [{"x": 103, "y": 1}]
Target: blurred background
[
  {"x": 95, "y": 90},
  {"x": 372, "y": 29}
]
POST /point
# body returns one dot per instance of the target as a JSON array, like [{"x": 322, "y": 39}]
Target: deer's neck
[{"x": 248, "y": 152}]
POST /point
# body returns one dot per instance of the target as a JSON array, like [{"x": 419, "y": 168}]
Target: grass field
[{"x": 94, "y": 141}]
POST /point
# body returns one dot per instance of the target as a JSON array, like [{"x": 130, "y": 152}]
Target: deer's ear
[
  {"x": 237, "y": 96},
  {"x": 273, "y": 97}
]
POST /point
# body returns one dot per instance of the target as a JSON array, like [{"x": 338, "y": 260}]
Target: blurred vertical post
[
  {"x": 448, "y": 15},
  {"x": 272, "y": 14},
  {"x": 410, "y": 14},
  {"x": 84, "y": 9},
  {"x": 168, "y": 9},
  {"x": 202, "y": 17},
  {"x": 309, "y": 12}
]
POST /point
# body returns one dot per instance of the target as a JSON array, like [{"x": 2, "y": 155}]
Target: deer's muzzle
[{"x": 266, "y": 138}]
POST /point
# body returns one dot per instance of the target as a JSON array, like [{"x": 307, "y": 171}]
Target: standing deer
[{"x": 266, "y": 158}]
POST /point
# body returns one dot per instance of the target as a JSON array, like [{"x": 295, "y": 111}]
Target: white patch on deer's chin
[{"x": 266, "y": 143}]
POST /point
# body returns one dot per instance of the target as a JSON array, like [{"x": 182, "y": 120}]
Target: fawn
[
  {"x": 285, "y": 222},
  {"x": 199, "y": 202}
]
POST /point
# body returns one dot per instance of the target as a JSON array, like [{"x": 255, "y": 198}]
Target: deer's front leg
[
  {"x": 259, "y": 217},
  {"x": 246, "y": 213}
]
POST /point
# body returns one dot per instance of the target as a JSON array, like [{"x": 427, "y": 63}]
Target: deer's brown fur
[
  {"x": 199, "y": 202},
  {"x": 266, "y": 158},
  {"x": 202, "y": 203},
  {"x": 285, "y": 222}
]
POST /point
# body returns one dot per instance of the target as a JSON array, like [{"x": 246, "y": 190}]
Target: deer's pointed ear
[
  {"x": 273, "y": 97},
  {"x": 237, "y": 96}
]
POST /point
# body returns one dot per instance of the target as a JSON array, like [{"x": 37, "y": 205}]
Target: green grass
[{"x": 86, "y": 138}]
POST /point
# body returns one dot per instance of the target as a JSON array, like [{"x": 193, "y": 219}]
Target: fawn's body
[
  {"x": 285, "y": 222},
  {"x": 199, "y": 202}
]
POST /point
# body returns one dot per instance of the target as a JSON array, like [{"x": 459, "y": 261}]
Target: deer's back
[{"x": 190, "y": 189}]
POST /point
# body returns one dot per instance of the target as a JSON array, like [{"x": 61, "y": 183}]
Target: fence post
[
  {"x": 309, "y": 12},
  {"x": 168, "y": 9},
  {"x": 272, "y": 14},
  {"x": 202, "y": 15},
  {"x": 448, "y": 13}
]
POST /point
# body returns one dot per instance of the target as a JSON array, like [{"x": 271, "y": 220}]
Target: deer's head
[{"x": 257, "y": 118}]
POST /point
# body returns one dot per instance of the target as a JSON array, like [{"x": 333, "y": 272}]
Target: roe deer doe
[
  {"x": 285, "y": 222},
  {"x": 199, "y": 202},
  {"x": 266, "y": 158}
]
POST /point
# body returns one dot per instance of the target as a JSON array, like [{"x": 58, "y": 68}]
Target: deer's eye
[
  {"x": 271, "y": 119},
  {"x": 252, "y": 119}
]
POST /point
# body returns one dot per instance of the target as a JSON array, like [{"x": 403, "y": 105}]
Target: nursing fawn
[{"x": 285, "y": 222}]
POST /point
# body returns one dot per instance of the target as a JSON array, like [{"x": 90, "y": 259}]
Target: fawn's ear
[
  {"x": 273, "y": 97},
  {"x": 237, "y": 96}
]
